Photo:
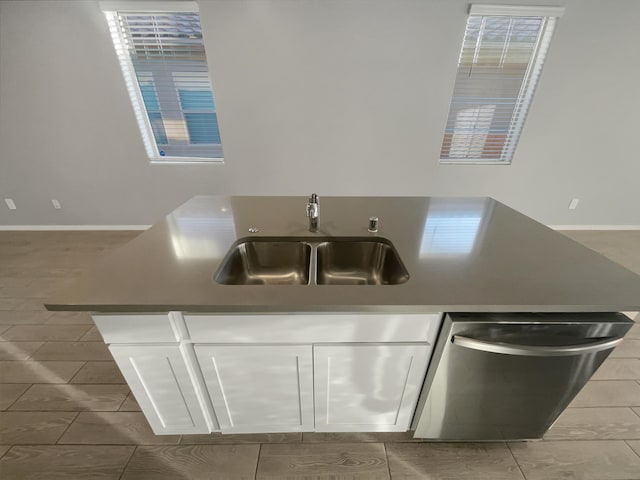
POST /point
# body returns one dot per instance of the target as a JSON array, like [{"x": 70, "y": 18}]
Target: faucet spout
[{"x": 313, "y": 212}]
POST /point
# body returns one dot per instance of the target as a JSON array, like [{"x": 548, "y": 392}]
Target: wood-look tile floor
[{"x": 66, "y": 413}]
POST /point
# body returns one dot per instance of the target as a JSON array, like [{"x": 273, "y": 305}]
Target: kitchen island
[{"x": 201, "y": 355}]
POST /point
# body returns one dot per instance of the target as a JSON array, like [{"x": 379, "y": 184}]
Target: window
[
  {"x": 163, "y": 61},
  {"x": 498, "y": 68}
]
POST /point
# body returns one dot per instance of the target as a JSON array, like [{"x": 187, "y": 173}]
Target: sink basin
[
  {"x": 266, "y": 262},
  {"x": 359, "y": 262}
]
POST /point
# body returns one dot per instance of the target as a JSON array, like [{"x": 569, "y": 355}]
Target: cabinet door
[
  {"x": 160, "y": 381},
  {"x": 367, "y": 387},
  {"x": 259, "y": 388}
]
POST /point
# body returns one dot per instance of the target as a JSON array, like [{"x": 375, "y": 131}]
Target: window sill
[
  {"x": 473, "y": 162},
  {"x": 185, "y": 161}
]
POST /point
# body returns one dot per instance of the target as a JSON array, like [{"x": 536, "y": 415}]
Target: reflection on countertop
[
  {"x": 454, "y": 228},
  {"x": 462, "y": 254}
]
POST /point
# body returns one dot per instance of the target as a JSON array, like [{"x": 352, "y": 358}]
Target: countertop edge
[{"x": 256, "y": 309}]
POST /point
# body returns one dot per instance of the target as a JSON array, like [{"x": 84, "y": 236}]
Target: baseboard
[
  {"x": 72, "y": 227},
  {"x": 594, "y": 227}
]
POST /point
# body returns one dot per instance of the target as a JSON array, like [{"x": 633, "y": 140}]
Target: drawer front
[
  {"x": 135, "y": 328},
  {"x": 313, "y": 328}
]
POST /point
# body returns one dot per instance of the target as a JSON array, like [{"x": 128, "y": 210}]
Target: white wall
[{"x": 341, "y": 97}]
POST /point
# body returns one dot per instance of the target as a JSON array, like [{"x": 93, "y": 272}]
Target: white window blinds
[
  {"x": 499, "y": 65},
  {"x": 165, "y": 68}
]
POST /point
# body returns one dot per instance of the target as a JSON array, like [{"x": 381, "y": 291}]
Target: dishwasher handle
[{"x": 535, "y": 350}]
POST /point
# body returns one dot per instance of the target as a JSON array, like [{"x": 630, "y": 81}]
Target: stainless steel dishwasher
[{"x": 509, "y": 376}]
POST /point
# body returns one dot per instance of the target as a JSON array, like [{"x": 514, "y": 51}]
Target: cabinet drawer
[
  {"x": 312, "y": 328},
  {"x": 135, "y": 328}
]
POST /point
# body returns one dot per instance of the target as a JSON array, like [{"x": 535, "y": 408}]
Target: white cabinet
[
  {"x": 259, "y": 388},
  {"x": 367, "y": 388},
  {"x": 159, "y": 379},
  {"x": 271, "y": 388},
  {"x": 280, "y": 372}
]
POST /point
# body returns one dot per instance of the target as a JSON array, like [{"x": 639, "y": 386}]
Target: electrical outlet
[
  {"x": 10, "y": 203},
  {"x": 574, "y": 204},
  {"x": 56, "y": 204}
]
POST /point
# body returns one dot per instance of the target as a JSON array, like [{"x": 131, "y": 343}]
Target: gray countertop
[{"x": 462, "y": 255}]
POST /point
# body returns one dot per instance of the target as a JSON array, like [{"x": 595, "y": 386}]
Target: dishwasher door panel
[{"x": 476, "y": 394}]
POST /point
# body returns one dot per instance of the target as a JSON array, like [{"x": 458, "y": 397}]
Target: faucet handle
[
  {"x": 313, "y": 207},
  {"x": 312, "y": 210}
]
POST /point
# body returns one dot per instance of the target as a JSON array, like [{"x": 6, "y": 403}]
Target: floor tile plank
[
  {"x": 70, "y": 318},
  {"x": 38, "y": 372},
  {"x": 241, "y": 438},
  {"x": 195, "y": 462},
  {"x": 619, "y": 369},
  {"x": 46, "y": 333},
  {"x": 65, "y": 397},
  {"x": 628, "y": 348},
  {"x": 14, "y": 317},
  {"x": 114, "y": 428},
  {"x": 99, "y": 372},
  {"x": 349, "y": 437},
  {"x": 64, "y": 462},
  {"x": 22, "y": 305},
  {"x": 596, "y": 424},
  {"x": 11, "y": 303},
  {"x": 635, "y": 445},
  {"x": 355, "y": 461},
  {"x": 18, "y": 350},
  {"x": 73, "y": 351},
  {"x": 33, "y": 427},
  {"x": 452, "y": 461},
  {"x": 608, "y": 393},
  {"x": 621, "y": 246},
  {"x": 15, "y": 281},
  {"x": 4, "y": 449},
  {"x": 585, "y": 460}
]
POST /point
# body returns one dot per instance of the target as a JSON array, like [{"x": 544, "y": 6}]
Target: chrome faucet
[{"x": 313, "y": 212}]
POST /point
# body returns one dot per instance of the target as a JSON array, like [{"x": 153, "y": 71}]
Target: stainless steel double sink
[{"x": 290, "y": 261}]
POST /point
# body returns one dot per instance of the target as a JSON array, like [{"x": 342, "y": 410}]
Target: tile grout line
[
  {"x": 255, "y": 473},
  {"x": 67, "y": 428},
  {"x": 515, "y": 460},
  {"x": 628, "y": 445},
  {"x": 10, "y": 447},
  {"x": 69, "y": 382},
  {"x": 19, "y": 397},
  {"x": 126, "y": 465},
  {"x": 30, "y": 356},
  {"x": 386, "y": 456}
]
